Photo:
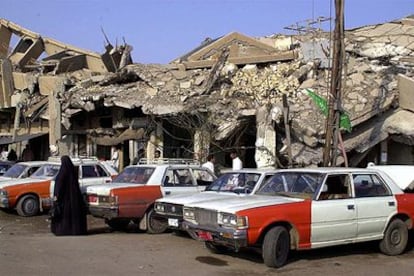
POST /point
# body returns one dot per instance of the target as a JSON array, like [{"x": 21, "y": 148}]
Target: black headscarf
[{"x": 68, "y": 194}]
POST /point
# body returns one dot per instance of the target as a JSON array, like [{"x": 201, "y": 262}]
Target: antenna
[{"x": 106, "y": 37}]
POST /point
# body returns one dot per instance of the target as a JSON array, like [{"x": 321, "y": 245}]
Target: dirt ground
[{"x": 28, "y": 248}]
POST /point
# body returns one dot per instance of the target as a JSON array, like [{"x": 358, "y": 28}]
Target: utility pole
[{"x": 333, "y": 119}]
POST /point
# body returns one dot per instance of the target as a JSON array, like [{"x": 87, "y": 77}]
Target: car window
[
  {"x": 293, "y": 184},
  {"x": 203, "y": 177},
  {"x": 89, "y": 171},
  {"x": 15, "y": 171},
  {"x": 101, "y": 171},
  {"x": 368, "y": 185},
  {"x": 178, "y": 178},
  {"x": 336, "y": 186},
  {"x": 139, "y": 175},
  {"x": 46, "y": 171},
  {"x": 235, "y": 182}
]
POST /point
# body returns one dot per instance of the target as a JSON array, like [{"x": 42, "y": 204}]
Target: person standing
[
  {"x": 237, "y": 164},
  {"x": 210, "y": 165},
  {"x": 27, "y": 154},
  {"x": 115, "y": 158},
  {"x": 67, "y": 193}
]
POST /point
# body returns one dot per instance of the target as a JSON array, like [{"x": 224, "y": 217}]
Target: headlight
[
  {"x": 159, "y": 207},
  {"x": 188, "y": 214},
  {"x": 3, "y": 193},
  {"x": 232, "y": 220}
]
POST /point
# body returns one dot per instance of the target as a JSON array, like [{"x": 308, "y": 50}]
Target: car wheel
[
  {"x": 156, "y": 224},
  {"x": 276, "y": 246},
  {"x": 28, "y": 206},
  {"x": 395, "y": 238},
  {"x": 118, "y": 224},
  {"x": 215, "y": 248}
]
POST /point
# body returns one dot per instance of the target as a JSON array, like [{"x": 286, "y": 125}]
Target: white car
[
  {"x": 300, "y": 209},
  {"x": 131, "y": 195},
  {"x": 230, "y": 184},
  {"x": 33, "y": 194},
  {"x": 22, "y": 170}
]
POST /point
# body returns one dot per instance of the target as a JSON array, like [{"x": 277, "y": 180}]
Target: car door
[
  {"x": 334, "y": 216},
  {"x": 178, "y": 181},
  {"x": 92, "y": 174},
  {"x": 374, "y": 204}
]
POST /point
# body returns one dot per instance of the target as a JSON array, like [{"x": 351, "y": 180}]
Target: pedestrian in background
[
  {"x": 27, "y": 154},
  {"x": 209, "y": 165},
  {"x": 67, "y": 193},
  {"x": 12, "y": 156},
  {"x": 237, "y": 164}
]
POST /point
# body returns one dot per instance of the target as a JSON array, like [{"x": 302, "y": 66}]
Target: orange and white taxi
[
  {"x": 131, "y": 195},
  {"x": 300, "y": 209},
  {"x": 31, "y": 195}
]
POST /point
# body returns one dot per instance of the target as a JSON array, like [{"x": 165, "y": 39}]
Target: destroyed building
[{"x": 225, "y": 94}]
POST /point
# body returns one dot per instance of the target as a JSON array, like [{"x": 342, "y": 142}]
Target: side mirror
[{"x": 324, "y": 188}]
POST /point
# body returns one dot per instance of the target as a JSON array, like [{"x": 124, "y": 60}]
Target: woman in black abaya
[{"x": 68, "y": 194}]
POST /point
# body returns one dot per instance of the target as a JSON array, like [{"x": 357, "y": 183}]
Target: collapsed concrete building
[{"x": 233, "y": 92}]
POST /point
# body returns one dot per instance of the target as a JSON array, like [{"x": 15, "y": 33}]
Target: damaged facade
[{"x": 227, "y": 93}]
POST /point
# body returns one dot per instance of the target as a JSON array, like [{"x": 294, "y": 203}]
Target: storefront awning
[
  {"x": 129, "y": 134},
  {"x": 8, "y": 139}
]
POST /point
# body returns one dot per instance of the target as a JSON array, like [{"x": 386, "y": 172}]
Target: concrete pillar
[
  {"x": 202, "y": 141},
  {"x": 384, "y": 152},
  {"x": 265, "y": 139},
  {"x": 55, "y": 130},
  {"x": 156, "y": 142}
]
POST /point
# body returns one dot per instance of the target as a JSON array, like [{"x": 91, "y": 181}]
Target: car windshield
[
  {"x": 235, "y": 182},
  {"x": 15, "y": 171},
  {"x": 139, "y": 175},
  {"x": 46, "y": 171},
  {"x": 293, "y": 184}
]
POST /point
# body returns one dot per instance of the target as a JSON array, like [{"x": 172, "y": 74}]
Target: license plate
[
  {"x": 173, "y": 222},
  {"x": 206, "y": 236}
]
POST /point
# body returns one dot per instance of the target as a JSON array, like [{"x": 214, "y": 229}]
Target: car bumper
[
  {"x": 232, "y": 238},
  {"x": 174, "y": 222},
  {"x": 103, "y": 212}
]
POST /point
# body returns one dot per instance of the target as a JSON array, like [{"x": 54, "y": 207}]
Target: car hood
[
  {"x": 235, "y": 204},
  {"x": 4, "y": 178},
  {"x": 19, "y": 181},
  {"x": 200, "y": 197},
  {"x": 107, "y": 188}
]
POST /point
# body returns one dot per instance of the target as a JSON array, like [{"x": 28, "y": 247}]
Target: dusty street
[{"x": 27, "y": 248}]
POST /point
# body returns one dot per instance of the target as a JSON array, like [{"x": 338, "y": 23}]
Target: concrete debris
[{"x": 228, "y": 85}]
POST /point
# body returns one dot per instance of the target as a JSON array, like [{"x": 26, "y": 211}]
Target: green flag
[{"x": 344, "y": 120}]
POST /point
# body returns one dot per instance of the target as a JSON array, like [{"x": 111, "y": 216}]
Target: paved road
[{"x": 27, "y": 248}]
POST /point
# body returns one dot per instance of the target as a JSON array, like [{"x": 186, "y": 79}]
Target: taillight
[{"x": 92, "y": 198}]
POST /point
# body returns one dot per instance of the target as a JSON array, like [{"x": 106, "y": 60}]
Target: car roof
[
  {"x": 250, "y": 170},
  {"x": 326, "y": 170},
  {"x": 32, "y": 163}
]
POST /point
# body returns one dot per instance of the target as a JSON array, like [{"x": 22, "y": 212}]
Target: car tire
[
  {"x": 276, "y": 247},
  {"x": 118, "y": 224},
  {"x": 215, "y": 248},
  {"x": 395, "y": 238},
  {"x": 27, "y": 206},
  {"x": 156, "y": 224}
]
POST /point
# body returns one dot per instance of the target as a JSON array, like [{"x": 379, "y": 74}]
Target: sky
[{"x": 162, "y": 30}]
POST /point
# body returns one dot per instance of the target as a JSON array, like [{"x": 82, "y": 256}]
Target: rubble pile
[{"x": 375, "y": 56}]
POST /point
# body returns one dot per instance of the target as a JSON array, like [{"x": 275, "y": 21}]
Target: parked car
[
  {"x": 4, "y": 166},
  {"x": 31, "y": 195},
  {"x": 22, "y": 170},
  {"x": 131, "y": 195},
  {"x": 300, "y": 209},
  {"x": 229, "y": 184}
]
